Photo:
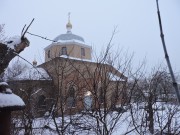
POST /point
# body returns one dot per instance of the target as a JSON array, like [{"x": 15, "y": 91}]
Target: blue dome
[{"x": 68, "y": 36}]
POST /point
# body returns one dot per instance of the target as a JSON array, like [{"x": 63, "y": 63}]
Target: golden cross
[{"x": 69, "y": 15}]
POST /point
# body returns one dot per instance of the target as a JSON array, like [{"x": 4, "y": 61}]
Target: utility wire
[
  {"x": 175, "y": 85},
  {"x": 45, "y": 38}
]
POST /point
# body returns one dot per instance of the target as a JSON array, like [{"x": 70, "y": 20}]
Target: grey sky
[{"x": 136, "y": 22}]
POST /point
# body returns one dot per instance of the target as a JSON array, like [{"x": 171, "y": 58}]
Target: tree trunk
[
  {"x": 150, "y": 113},
  {"x": 7, "y": 54}
]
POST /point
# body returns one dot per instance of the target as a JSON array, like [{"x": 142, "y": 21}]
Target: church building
[{"x": 70, "y": 81}]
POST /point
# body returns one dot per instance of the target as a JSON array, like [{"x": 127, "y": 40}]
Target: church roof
[
  {"x": 34, "y": 73},
  {"x": 68, "y": 37}
]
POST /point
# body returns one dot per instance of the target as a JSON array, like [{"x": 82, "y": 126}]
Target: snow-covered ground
[{"x": 163, "y": 113}]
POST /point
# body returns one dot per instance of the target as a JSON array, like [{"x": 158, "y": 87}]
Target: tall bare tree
[
  {"x": 154, "y": 105},
  {"x": 14, "y": 69},
  {"x": 97, "y": 91}
]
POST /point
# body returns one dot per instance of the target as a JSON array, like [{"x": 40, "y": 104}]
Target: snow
[
  {"x": 13, "y": 41},
  {"x": 35, "y": 92},
  {"x": 73, "y": 58},
  {"x": 71, "y": 41},
  {"x": 113, "y": 77},
  {"x": 8, "y": 90},
  {"x": 68, "y": 42},
  {"x": 10, "y": 100},
  {"x": 68, "y": 36},
  {"x": 3, "y": 83},
  {"x": 33, "y": 73},
  {"x": 124, "y": 124},
  {"x": 86, "y": 120}
]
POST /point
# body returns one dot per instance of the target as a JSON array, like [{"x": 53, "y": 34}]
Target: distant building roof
[{"x": 34, "y": 73}]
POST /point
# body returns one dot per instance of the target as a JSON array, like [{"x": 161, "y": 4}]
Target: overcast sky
[{"x": 94, "y": 20}]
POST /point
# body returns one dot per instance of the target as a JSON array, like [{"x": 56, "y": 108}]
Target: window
[
  {"x": 42, "y": 101},
  {"x": 70, "y": 102},
  {"x": 71, "y": 97},
  {"x": 101, "y": 95},
  {"x": 82, "y": 52},
  {"x": 63, "y": 51},
  {"x": 71, "y": 91},
  {"x": 49, "y": 54},
  {"x": 88, "y": 100},
  {"x": 114, "y": 99}
]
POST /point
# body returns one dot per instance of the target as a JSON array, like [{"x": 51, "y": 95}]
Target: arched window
[
  {"x": 42, "y": 101},
  {"x": 71, "y": 97},
  {"x": 49, "y": 55},
  {"x": 71, "y": 91},
  {"x": 114, "y": 99},
  {"x": 88, "y": 100},
  {"x": 101, "y": 95},
  {"x": 82, "y": 52},
  {"x": 63, "y": 51}
]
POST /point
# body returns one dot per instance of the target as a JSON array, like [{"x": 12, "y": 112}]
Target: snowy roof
[
  {"x": 71, "y": 41},
  {"x": 114, "y": 77},
  {"x": 73, "y": 58},
  {"x": 67, "y": 37},
  {"x": 10, "y": 100},
  {"x": 34, "y": 73},
  {"x": 3, "y": 84}
]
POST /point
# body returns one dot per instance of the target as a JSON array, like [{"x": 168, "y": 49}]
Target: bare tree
[
  {"x": 155, "y": 105},
  {"x": 101, "y": 94},
  {"x": 7, "y": 53},
  {"x": 109, "y": 96},
  {"x": 67, "y": 87},
  {"x": 36, "y": 93},
  {"x": 2, "y": 33},
  {"x": 12, "y": 48},
  {"x": 14, "y": 69}
]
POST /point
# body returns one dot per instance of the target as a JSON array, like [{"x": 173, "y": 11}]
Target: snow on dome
[
  {"x": 68, "y": 37},
  {"x": 33, "y": 74},
  {"x": 10, "y": 100},
  {"x": 13, "y": 41},
  {"x": 71, "y": 41}
]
